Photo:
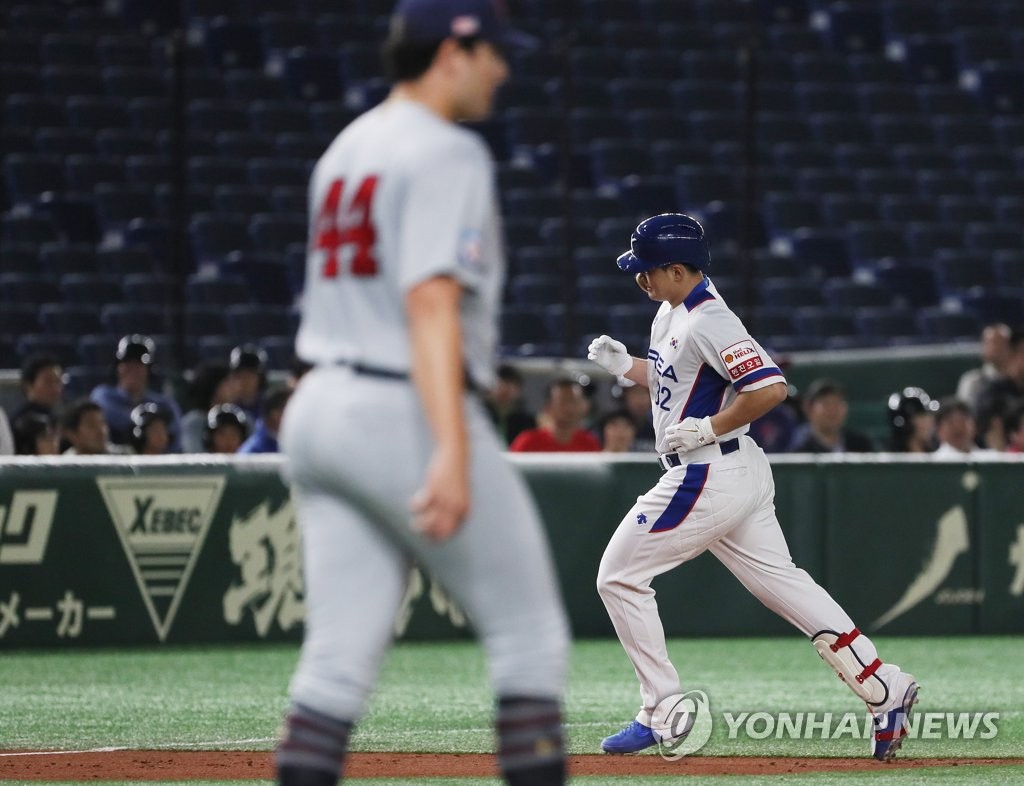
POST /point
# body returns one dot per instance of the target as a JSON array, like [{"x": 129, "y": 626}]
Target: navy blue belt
[
  {"x": 387, "y": 373},
  {"x": 675, "y": 460}
]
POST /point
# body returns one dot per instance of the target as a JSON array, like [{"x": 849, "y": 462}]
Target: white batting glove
[
  {"x": 610, "y": 355},
  {"x": 689, "y": 434}
]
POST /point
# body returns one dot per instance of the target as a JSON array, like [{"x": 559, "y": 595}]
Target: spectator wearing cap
[
  {"x": 133, "y": 366},
  {"x": 211, "y": 384},
  {"x": 264, "y": 436},
  {"x": 826, "y": 410},
  {"x": 150, "y": 430},
  {"x": 85, "y": 429},
  {"x": 35, "y": 434},
  {"x": 248, "y": 364},
  {"x": 42, "y": 382},
  {"x": 912, "y": 421},
  {"x": 227, "y": 427},
  {"x": 505, "y": 404},
  {"x": 956, "y": 429}
]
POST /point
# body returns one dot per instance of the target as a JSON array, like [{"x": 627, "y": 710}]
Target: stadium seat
[
  {"x": 267, "y": 275},
  {"x": 787, "y": 293},
  {"x": 846, "y": 293},
  {"x": 133, "y": 318},
  {"x": 995, "y": 305},
  {"x": 1008, "y": 267},
  {"x": 528, "y": 290},
  {"x": 957, "y": 209},
  {"x": 835, "y": 327},
  {"x": 252, "y": 322},
  {"x": 134, "y": 82},
  {"x": 233, "y": 44},
  {"x": 697, "y": 186},
  {"x": 886, "y": 324},
  {"x": 204, "y": 319},
  {"x": 213, "y": 237},
  {"x": 74, "y": 213},
  {"x": 149, "y": 289},
  {"x": 986, "y": 237},
  {"x": 219, "y": 290},
  {"x": 273, "y": 233},
  {"x": 1001, "y": 88},
  {"x": 523, "y": 324},
  {"x": 958, "y": 269},
  {"x": 821, "y": 250},
  {"x": 785, "y": 212},
  {"x": 901, "y": 208},
  {"x": 826, "y": 98},
  {"x": 64, "y": 141},
  {"x": 68, "y": 319},
  {"x": 28, "y": 176},
  {"x": 16, "y": 319},
  {"x": 270, "y": 173},
  {"x": 63, "y": 347},
  {"x": 644, "y": 196},
  {"x": 59, "y": 258},
  {"x": 913, "y": 284},
  {"x": 929, "y": 58},
  {"x": 124, "y": 142},
  {"x": 924, "y": 239},
  {"x": 122, "y": 261}
]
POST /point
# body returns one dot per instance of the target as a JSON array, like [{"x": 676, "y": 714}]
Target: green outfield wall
[{"x": 151, "y": 551}]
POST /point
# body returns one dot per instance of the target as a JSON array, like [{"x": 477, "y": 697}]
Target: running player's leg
[
  {"x": 355, "y": 580},
  {"x": 499, "y": 570},
  {"x": 755, "y": 551}
]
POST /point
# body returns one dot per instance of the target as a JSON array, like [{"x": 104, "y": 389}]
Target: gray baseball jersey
[{"x": 399, "y": 197}]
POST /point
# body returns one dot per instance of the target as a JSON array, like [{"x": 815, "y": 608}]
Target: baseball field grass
[{"x": 434, "y": 698}]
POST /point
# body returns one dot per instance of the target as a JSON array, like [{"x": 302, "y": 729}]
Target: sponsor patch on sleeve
[
  {"x": 741, "y": 358},
  {"x": 470, "y": 251}
]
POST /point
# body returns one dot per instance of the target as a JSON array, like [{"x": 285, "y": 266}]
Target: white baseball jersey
[
  {"x": 399, "y": 197},
  {"x": 701, "y": 358}
]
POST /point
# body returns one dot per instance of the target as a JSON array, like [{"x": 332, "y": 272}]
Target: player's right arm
[
  {"x": 612, "y": 356},
  {"x": 435, "y": 334}
]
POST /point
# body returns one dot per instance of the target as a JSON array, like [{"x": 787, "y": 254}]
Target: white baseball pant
[{"x": 726, "y": 506}]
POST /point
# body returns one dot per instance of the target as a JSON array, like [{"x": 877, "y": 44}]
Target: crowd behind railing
[{"x": 232, "y": 408}]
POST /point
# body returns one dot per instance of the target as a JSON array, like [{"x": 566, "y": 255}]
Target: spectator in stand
[
  {"x": 36, "y": 434},
  {"x": 297, "y": 370},
  {"x": 248, "y": 364},
  {"x": 1000, "y": 396},
  {"x": 636, "y": 400},
  {"x": 995, "y": 352},
  {"x": 227, "y": 427},
  {"x": 1015, "y": 430},
  {"x": 956, "y": 429},
  {"x": 150, "y": 430},
  {"x": 85, "y": 429},
  {"x": 565, "y": 407},
  {"x": 618, "y": 432},
  {"x": 42, "y": 382},
  {"x": 826, "y": 410},
  {"x": 133, "y": 370},
  {"x": 504, "y": 403},
  {"x": 264, "y": 436},
  {"x": 912, "y": 421},
  {"x": 211, "y": 385}
]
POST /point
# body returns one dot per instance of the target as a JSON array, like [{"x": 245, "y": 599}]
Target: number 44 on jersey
[{"x": 345, "y": 225}]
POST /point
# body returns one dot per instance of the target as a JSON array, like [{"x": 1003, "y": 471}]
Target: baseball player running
[
  {"x": 708, "y": 380},
  {"x": 392, "y": 457}
]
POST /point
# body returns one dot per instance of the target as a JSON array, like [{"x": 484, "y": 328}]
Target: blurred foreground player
[{"x": 392, "y": 455}]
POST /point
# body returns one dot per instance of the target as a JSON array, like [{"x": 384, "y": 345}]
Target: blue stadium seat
[
  {"x": 956, "y": 131},
  {"x": 288, "y": 199},
  {"x": 273, "y": 233},
  {"x": 217, "y": 171},
  {"x": 16, "y": 319},
  {"x": 267, "y": 275},
  {"x": 233, "y": 44},
  {"x": 1001, "y": 88},
  {"x": 605, "y": 289},
  {"x": 149, "y": 289},
  {"x": 923, "y": 239},
  {"x": 696, "y": 186},
  {"x": 204, "y": 319},
  {"x": 957, "y": 209},
  {"x": 85, "y": 173},
  {"x": 536, "y": 289},
  {"x": 984, "y": 157},
  {"x": 149, "y": 114},
  {"x": 213, "y": 237},
  {"x": 153, "y": 236},
  {"x": 23, "y": 288},
  {"x": 532, "y": 203},
  {"x": 823, "y": 250},
  {"x": 887, "y": 324},
  {"x": 213, "y": 116},
  {"x": 134, "y": 318},
  {"x": 912, "y": 158},
  {"x": 134, "y": 82},
  {"x": 770, "y": 320},
  {"x": 789, "y": 293},
  {"x": 64, "y": 141},
  {"x": 122, "y": 261},
  {"x": 647, "y": 126},
  {"x": 535, "y": 260},
  {"x": 869, "y": 242},
  {"x": 631, "y": 320},
  {"x": 123, "y": 50},
  {"x": 63, "y": 347},
  {"x": 821, "y": 67},
  {"x": 785, "y": 212},
  {"x": 934, "y": 184},
  {"x": 149, "y": 169},
  {"x": 828, "y": 98},
  {"x": 929, "y": 58},
  {"x": 59, "y": 258},
  {"x": 901, "y": 209},
  {"x": 97, "y": 112},
  {"x": 68, "y": 319},
  {"x": 942, "y": 323},
  {"x": 835, "y": 128},
  {"x": 846, "y": 293},
  {"x": 28, "y": 176},
  {"x": 33, "y": 111},
  {"x": 64, "y": 81},
  {"x": 892, "y": 130},
  {"x": 73, "y": 213},
  {"x": 1003, "y": 304},
  {"x": 219, "y": 291},
  {"x": 644, "y": 196},
  {"x": 958, "y": 269},
  {"x": 986, "y": 237},
  {"x": 270, "y": 173},
  {"x": 841, "y": 209},
  {"x": 1009, "y": 210},
  {"x": 1008, "y": 267},
  {"x": 27, "y": 228},
  {"x": 835, "y": 327},
  {"x": 913, "y": 284},
  {"x": 853, "y": 29},
  {"x": 947, "y": 100},
  {"x": 612, "y": 161},
  {"x": 252, "y": 322},
  {"x": 124, "y": 142},
  {"x": 995, "y": 186},
  {"x": 313, "y": 75},
  {"x": 523, "y": 324}
]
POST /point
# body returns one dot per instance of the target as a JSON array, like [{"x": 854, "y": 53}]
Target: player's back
[{"x": 400, "y": 195}]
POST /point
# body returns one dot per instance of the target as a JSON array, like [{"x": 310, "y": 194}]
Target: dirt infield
[{"x": 245, "y": 765}]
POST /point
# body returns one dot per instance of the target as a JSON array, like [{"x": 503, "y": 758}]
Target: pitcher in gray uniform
[{"x": 392, "y": 457}]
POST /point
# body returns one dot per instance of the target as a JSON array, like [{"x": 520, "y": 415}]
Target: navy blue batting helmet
[{"x": 664, "y": 240}]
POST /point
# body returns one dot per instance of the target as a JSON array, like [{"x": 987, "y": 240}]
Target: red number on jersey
[{"x": 336, "y": 228}]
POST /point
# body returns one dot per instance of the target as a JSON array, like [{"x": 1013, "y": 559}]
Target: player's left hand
[
  {"x": 441, "y": 504},
  {"x": 690, "y": 433}
]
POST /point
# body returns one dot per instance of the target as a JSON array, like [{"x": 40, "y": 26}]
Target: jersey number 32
[{"x": 340, "y": 227}]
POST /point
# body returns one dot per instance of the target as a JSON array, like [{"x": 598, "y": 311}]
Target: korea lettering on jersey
[{"x": 701, "y": 358}]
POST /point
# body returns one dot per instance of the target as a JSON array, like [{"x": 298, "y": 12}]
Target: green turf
[{"x": 434, "y": 697}]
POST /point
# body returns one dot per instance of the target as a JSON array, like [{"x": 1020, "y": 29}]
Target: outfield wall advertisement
[{"x": 161, "y": 551}]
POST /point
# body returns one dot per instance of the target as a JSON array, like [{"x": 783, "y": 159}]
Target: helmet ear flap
[{"x": 665, "y": 239}]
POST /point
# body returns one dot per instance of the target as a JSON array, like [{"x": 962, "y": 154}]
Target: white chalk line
[{"x": 211, "y": 745}]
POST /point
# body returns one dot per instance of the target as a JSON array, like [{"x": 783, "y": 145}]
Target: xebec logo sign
[{"x": 25, "y": 527}]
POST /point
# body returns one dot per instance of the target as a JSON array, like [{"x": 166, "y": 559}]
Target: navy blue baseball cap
[{"x": 435, "y": 20}]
